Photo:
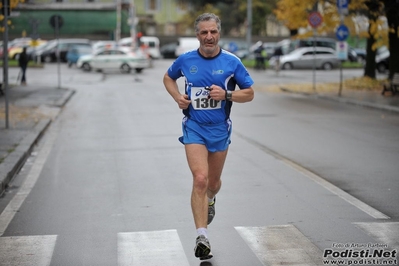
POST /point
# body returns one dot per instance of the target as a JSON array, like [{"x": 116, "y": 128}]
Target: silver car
[
  {"x": 123, "y": 58},
  {"x": 307, "y": 57}
]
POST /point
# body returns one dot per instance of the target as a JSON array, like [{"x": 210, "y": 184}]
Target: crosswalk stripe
[
  {"x": 151, "y": 248},
  {"x": 280, "y": 245},
  {"x": 385, "y": 233},
  {"x": 27, "y": 250}
]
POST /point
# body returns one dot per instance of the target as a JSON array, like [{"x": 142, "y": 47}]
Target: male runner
[{"x": 211, "y": 75}]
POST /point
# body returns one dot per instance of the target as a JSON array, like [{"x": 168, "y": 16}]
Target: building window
[
  {"x": 153, "y": 5},
  {"x": 182, "y": 5}
]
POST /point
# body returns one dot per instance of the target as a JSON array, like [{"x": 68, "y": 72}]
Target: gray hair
[{"x": 207, "y": 17}]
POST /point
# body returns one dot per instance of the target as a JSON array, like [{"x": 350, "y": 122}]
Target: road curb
[
  {"x": 345, "y": 100},
  {"x": 63, "y": 100},
  {"x": 15, "y": 160}
]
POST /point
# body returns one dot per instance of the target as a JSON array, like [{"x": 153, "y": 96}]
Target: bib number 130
[{"x": 201, "y": 101}]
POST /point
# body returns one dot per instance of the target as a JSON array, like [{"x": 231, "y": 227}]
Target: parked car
[
  {"x": 361, "y": 55},
  {"x": 100, "y": 45},
  {"x": 16, "y": 43},
  {"x": 75, "y": 52},
  {"x": 186, "y": 44},
  {"x": 149, "y": 43},
  {"x": 306, "y": 57},
  {"x": 169, "y": 50},
  {"x": 16, "y": 50},
  {"x": 382, "y": 59},
  {"x": 352, "y": 55},
  {"x": 122, "y": 58},
  {"x": 61, "y": 47},
  {"x": 289, "y": 45}
]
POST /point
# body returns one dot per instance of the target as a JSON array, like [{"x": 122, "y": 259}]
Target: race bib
[{"x": 201, "y": 101}]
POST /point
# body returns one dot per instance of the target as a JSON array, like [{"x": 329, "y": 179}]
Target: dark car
[
  {"x": 61, "y": 47},
  {"x": 361, "y": 55},
  {"x": 169, "y": 50},
  {"x": 352, "y": 55}
]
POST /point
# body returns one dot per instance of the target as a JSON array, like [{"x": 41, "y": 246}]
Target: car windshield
[{"x": 82, "y": 48}]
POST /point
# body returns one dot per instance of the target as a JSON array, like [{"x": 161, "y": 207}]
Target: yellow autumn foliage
[{"x": 294, "y": 14}]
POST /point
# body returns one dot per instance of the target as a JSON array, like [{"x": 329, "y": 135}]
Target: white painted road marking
[
  {"x": 321, "y": 181},
  {"x": 27, "y": 250},
  {"x": 151, "y": 248},
  {"x": 385, "y": 233},
  {"x": 16, "y": 202},
  {"x": 273, "y": 245},
  {"x": 281, "y": 245}
]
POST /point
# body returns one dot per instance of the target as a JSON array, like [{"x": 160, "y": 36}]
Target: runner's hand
[
  {"x": 183, "y": 101},
  {"x": 217, "y": 93}
]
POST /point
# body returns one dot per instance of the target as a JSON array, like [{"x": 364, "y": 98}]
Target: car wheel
[
  {"x": 361, "y": 60},
  {"x": 47, "y": 59},
  {"x": 381, "y": 68},
  {"x": 327, "y": 66},
  {"x": 125, "y": 68},
  {"x": 70, "y": 64},
  {"x": 86, "y": 67},
  {"x": 139, "y": 70},
  {"x": 287, "y": 66}
]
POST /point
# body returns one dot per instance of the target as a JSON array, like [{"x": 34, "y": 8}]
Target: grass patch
[{"x": 14, "y": 63}]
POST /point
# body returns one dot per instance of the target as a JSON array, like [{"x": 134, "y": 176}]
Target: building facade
[{"x": 96, "y": 19}]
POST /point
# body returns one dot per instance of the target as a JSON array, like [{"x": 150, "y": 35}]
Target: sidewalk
[
  {"x": 371, "y": 99},
  {"x": 31, "y": 110}
]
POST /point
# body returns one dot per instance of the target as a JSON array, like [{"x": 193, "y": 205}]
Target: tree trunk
[
  {"x": 392, "y": 14},
  {"x": 369, "y": 70},
  {"x": 373, "y": 13}
]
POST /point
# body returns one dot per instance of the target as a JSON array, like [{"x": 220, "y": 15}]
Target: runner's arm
[
  {"x": 173, "y": 89},
  {"x": 243, "y": 95}
]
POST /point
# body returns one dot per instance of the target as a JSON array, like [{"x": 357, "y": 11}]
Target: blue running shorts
[{"x": 216, "y": 137}]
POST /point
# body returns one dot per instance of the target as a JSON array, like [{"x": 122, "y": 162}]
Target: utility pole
[
  {"x": 117, "y": 36},
  {"x": 133, "y": 22},
  {"x": 5, "y": 9},
  {"x": 249, "y": 25}
]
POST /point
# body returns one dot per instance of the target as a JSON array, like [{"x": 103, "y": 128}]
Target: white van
[
  {"x": 186, "y": 44},
  {"x": 151, "y": 44}
]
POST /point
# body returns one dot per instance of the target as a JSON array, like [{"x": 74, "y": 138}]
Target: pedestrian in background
[
  {"x": 211, "y": 75},
  {"x": 23, "y": 61},
  {"x": 278, "y": 52},
  {"x": 259, "y": 56}
]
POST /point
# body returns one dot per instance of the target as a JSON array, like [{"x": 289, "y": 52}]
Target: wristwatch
[{"x": 229, "y": 95}]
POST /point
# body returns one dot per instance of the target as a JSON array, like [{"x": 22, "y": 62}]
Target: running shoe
[
  {"x": 202, "y": 248},
  {"x": 211, "y": 211}
]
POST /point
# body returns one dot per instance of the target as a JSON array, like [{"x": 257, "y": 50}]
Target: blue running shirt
[{"x": 224, "y": 70}]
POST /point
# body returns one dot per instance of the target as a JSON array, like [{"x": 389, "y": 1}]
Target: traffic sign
[
  {"x": 56, "y": 21},
  {"x": 342, "y": 6},
  {"x": 315, "y": 19},
  {"x": 342, "y": 32},
  {"x": 342, "y": 50}
]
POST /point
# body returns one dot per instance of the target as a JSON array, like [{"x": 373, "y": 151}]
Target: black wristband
[{"x": 228, "y": 95}]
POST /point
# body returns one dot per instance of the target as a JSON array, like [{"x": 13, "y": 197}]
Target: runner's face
[{"x": 208, "y": 36}]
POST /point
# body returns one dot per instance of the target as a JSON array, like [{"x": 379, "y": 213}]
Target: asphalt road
[{"x": 109, "y": 184}]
